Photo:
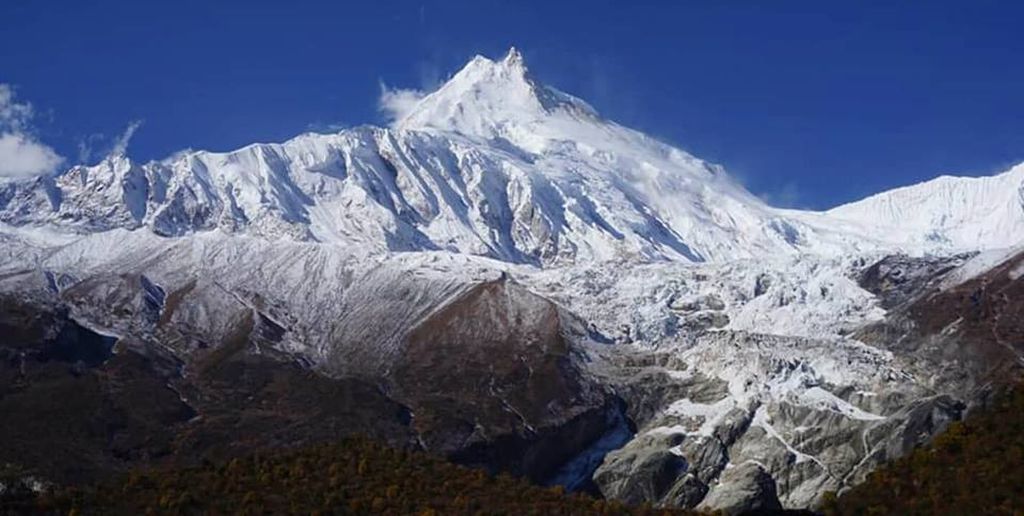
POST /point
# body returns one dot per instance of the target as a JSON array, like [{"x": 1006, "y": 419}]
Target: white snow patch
[
  {"x": 1017, "y": 272},
  {"x": 709, "y": 415},
  {"x": 822, "y": 399},
  {"x": 978, "y": 265}
]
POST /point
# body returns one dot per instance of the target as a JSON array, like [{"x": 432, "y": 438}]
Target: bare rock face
[
  {"x": 492, "y": 380},
  {"x": 747, "y": 487},
  {"x": 646, "y": 471},
  {"x": 961, "y": 334},
  {"x": 78, "y": 407},
  {"x": 898, "y": 279}
]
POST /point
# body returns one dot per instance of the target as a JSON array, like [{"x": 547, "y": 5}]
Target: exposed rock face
[
  {"x": 489, "y": 378},
  {"x": 963, "y": 330},
  {"x": 495, "y": 364},
  {"x": 747, "y": 487},
  {"x": 75, "y": 418},
  {"x": 645, "y": 470},
  {"x": 899, "y": 279}
]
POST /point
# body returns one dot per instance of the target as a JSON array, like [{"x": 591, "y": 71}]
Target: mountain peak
[
  {"x": 486, "y": 97},
  {"x": 514, "y": 59},
  {"x": 511, "y": 66},
  {"x": 510, "y": 69}
]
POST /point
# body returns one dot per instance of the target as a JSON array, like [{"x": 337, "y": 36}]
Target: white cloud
[
  {"x": 396, "y": 103},
  {"x": 21, "y": 154}
]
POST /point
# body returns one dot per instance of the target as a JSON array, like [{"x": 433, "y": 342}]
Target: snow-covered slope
[{"x": 949, "y": 213}]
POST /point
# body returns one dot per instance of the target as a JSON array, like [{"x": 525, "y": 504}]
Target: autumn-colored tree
[{"x": 355, "y": 476}]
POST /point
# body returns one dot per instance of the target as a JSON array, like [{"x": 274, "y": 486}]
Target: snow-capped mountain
[
  {"x": 510, "y": 268},
  {"x": 494, "y": 164}
]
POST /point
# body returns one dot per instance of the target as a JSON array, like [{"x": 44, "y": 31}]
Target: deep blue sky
[{"x": 809, "y": 104}]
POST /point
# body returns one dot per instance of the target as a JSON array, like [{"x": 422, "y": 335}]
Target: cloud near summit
[
  {"x": 21, "y": 153},
  {"x": 395, "y": 103}
]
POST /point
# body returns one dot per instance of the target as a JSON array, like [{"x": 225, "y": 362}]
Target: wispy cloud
[
  {"x": 785, "y": 196},
  {"x": 87, "y": 147},
  {"x": 396, "y": 103},
  {"x": 98, "y": 145},
  {"x": 120, "y": 146},
  {"x": 13, "y": 115},
  {"x": 21, "y": 153},
  {"x": 326, "y": 127}
]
